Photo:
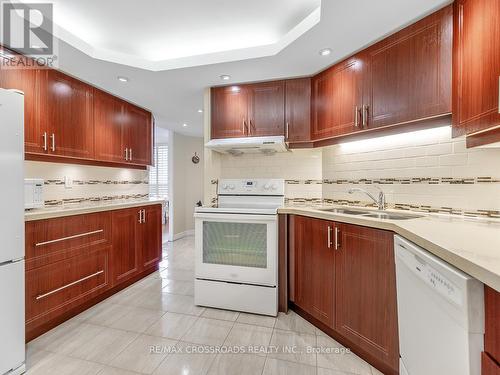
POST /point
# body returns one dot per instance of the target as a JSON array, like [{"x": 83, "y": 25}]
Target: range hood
[{"x": 248, "y": 145}]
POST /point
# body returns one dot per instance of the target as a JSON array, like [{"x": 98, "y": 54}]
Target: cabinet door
[
  {"x": 28, "y": 81},
  {"x": 488, "y": 365},
  {"x": 476, "y": 65},
  {"x": 229, "y": 115},
  {"x": 408, "y": 75},
  {"x": 492, "y": 326},
  {"x": 314, "y": 268},
  {"x": 137, "y": 134},
  {"x": 150, "y": 238},
  {"x": 337, "y": 97},
  {"x": 365, "y": 297},
  {"x": 108, "y": 127},
  {"x": 67, "y": 110},
  {"x": 125, "y": 251},
  {"x": 266, "y": 108},
  {"x": 298, "y": 110}
]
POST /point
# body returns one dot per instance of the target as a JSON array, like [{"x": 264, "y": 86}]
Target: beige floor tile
[
  {"x": 186, "y": 363},
  {"x": 179, "y": 287},
  {"x": 107, "y": 370},
  {"x": 249, "y": 335},
  {"x": 208, "y": 331},
  {"x": 220, "y": 314},
  {"x": 293, "y": 346},
  {"x": 137, "y": 319},
  {"x": 177, "y": 274},
  {"x": 258, "y": 320},
  {"x": 105, "y": 346},
  {"x": 105, "y": 314},
  {"x": 59, "y": 364},
  {"x": 375, "y": 371},
  {"x": 337, "y": 358},
  {"x": 182, "y": 304},
  {"x": 54, "y": 336},
  {"x": 172, "y": 325},
  {"x": 278, "y": 367},
  {"x": 294, "y": 322},
  {"x": 241, "y": 364},
  {"x": 327, "y": 371},
  {"x": 138, "y": 356}
]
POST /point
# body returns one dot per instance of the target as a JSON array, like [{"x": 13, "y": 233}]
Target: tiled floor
[{"x": 153, "y": 327}]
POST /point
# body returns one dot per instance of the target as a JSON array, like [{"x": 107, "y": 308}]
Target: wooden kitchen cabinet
[
  {"x": 66, "y": 108},
  {"x": 492, "y": 324},
  {"x": 365, "y": 291},
  {"x": 336, "y": 100},
  {"x": 266, "y": 106},
  {"x": 298, "y": 110},
  {"x": 407, "y": 76},
  {"x": 137, "y": 133},
  {"x": 149, "y": 239},
  {"x": 28, "y": 81},
  {"x": 476, "y": 68},
  {"x": 314, "y": 258},
  {"x": 229, "y": 112},
  {"x": 125, "y": 239}
]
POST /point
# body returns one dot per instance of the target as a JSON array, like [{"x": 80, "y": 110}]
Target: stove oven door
[{"x": 240, "y": 248}]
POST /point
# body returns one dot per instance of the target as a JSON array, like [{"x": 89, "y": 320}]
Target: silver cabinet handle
[
  {"x": 287, "y": 130},
  {"x": 143, "y": 216},
  {"x": 498, "y": 94},
  {"x": 44, "y": 141},
  {"x": 243, "y": 126},
  {"x": 130, "y": 153},
  {"x": 68, "y": 285},
  {"x": 329, "y": 237},
  {"x": 126, "y": 154},
  {"x": 365, "y": 116},
  {"x": 140, "y": 216},
  {"x": 356, "y": 117},
  {"x": 337, "y": 243},
  {"x": 53, "y": 137},
  {"x": 69, "y": 237}
]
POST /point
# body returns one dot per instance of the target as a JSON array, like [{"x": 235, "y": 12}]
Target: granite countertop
[
  {"x": 470, "y": 244},
  {"x": 86, "y": 208}
]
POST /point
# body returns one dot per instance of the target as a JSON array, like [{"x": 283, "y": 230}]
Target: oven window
[{"x": 235, "y": 244}]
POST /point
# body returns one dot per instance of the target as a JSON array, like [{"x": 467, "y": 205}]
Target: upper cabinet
[
  {"x": 71, "y": 121},
  {"x": 66, "y": 113},
  {"x": 248, "y": 110},
  {"x": 336, "y": 100},
  {"x": 298, "y": 110},
  {"x": 476, "y": 67},
  {"x": 407, "y": 76}
]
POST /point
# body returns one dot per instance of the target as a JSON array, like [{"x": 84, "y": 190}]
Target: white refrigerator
[{"x": 12, "y": 348}]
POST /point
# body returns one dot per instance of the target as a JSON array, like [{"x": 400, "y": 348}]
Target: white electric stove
[{"x": 237, "y": 247}]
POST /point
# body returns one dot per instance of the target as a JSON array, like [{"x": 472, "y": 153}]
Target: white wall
[{"x": 186, "y": 182}]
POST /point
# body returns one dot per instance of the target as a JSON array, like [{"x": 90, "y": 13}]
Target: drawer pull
[
  {"x": 68, "y": 285},
  {"x": 69, "y": 237}
]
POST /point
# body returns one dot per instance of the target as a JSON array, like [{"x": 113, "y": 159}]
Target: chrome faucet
[{"x": 381, "y": 196}]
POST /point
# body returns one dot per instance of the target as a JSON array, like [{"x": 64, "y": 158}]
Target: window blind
[{"x": 158, "y": 175}]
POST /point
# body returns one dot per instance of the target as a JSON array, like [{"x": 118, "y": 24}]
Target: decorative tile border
[
  {"x": 396, "y": 206},
  {"x": 97, "y": 182},
  {"x": 62, "y": 202},
  {"x": 403, "y": 181}
]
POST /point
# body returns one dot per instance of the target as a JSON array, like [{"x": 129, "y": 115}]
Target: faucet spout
[{"x": 380, "y": 201}]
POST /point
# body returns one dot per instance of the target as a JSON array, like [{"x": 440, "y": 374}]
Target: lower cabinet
[
  {"x": 344, "y": 277},
  {"x": 491, "y": 356},
  {"x": 72, "y": 261}
]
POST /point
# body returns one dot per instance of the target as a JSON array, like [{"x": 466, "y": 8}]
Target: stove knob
[
  {"x": 231, "y": 187},
  {"x": 224, "y": 186},
  {"x": 266, "y": 187},
  {"x": 274, "y": 187}
]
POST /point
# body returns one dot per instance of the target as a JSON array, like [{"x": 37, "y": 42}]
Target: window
[{"x": 158, "y": 175}]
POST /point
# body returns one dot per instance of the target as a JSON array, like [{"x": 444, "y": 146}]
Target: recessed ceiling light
[
  {"x": 184, "y": 125},
  {"x": 225, "y": 77},
  {"x": 325, "y": 51},
  {"x": 200, "y": 111},
  {"x": 123, "y": 79}
]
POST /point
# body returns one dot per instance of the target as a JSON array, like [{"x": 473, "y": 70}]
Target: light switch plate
[{"x": 68, "y": 182}]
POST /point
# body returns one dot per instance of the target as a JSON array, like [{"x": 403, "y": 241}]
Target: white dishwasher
[{"x": 440, "y": 313}]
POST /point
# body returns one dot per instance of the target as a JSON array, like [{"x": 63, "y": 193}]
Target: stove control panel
[{"x": 251, "y": 187}]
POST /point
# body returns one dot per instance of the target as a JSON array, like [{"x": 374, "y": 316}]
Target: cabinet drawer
[
  {"x": 52, "y": 240},
  {"x": 53, "y": 289}
]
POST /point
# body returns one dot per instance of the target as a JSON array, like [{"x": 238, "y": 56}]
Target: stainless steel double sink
[{"x": 370, "y": 213}]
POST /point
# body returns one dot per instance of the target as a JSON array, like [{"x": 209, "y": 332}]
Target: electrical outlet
[{"x": 68, "y": 182}]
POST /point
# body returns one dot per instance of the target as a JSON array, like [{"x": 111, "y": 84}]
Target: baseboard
[{"x": 186, "y": 233}]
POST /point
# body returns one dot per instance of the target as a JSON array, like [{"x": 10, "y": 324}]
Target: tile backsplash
[
  {"x": 425, "y": 170},
  {"x": 87, "y": 183}
]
